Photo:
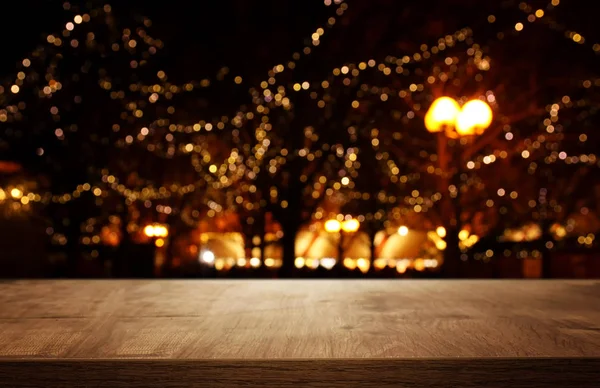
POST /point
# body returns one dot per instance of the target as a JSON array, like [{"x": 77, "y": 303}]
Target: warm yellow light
[
  {"x": 441, "y": 231},
  {"x": 255, "y": 262},
  {"x": 156, "y": 231},
  {"x": 403, "y": 230},
  {"x": 401, "y": 266},
  {"x": 299, "y": 262},
  {"x": 269, "y": 262},
  {"x": 159, "y": 242},
  {"x": 363, "y": 265},
  {"x": 350, "y": 225},
  {"x": 327, "y": 262},
  {"x": 332, "y": 226},
  {"x": 16, "y": 193},
  {"x": 419, "y": 265},
  {"x": 471, "y": 240},
  {"x": 442, "y": 112},
  {"x": 463, "y": 235},
  {"x": 349, "y": 263},
  {"x": 160, "y": 231},
  {"x": 559, "y": 230},
  {"x": 380, "y": 264},
  {"x": 474, "y": 118},
  {"x": 465, "y": 244},
  {"x": 149, "y": 230},
  {"x": 441, "y": 245}
]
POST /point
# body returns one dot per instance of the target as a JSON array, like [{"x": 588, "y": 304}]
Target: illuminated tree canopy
[{"x": 333, "y": 126}]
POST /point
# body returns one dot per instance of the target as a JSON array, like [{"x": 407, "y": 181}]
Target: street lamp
[
  {"x": 446, "y": 117},
  {"x": 332, "y": 226},
  {"x": 442, "y": 113},
  {"x": 474, "y": 118},
  {"x": 157, "y": 233},
  {"x": 156, "y": 230},
  {"x": 351, "y": 225},
  {"x": 149, "y": 230},
  {"x": 348, "y": 226}
]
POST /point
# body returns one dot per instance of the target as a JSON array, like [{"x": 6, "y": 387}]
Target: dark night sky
[
  {"x": 199, "y": 38},
  {"x": 250, "y": 36}
]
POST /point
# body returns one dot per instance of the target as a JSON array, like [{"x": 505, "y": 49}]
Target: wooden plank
[{"x": 224, "y": 331}]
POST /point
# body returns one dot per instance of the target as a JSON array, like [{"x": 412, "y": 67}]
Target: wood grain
[{"x": 306, "y": 333}]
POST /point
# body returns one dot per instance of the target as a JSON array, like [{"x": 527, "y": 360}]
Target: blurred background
[{"x": 280, "y": 139}]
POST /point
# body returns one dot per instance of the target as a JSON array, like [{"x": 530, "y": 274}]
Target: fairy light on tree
[{"x": 317, "y": 127}]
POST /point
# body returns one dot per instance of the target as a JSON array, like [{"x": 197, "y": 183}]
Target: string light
[{"x": 239, "y": 166}]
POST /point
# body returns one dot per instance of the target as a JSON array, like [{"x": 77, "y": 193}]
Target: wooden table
[{"x": 339, "y": 333}]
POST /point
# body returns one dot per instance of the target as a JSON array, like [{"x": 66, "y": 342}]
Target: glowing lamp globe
[
  {"x": 441, "y": 113},
  {"x": 474, "y": 118},
  {"x": 160, "y": 231},
  {"x": 350, "y": 225},
  {"x": 149, "y": 231},
  {"x": 333, "y": 226},
  {"x": 164, "y": 232}
]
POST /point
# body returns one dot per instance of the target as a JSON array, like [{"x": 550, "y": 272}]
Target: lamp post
[
  {"x": 455, "y": 125},
  {"x": 348, "y": 226},
  {"x": 158, "y": 234}
]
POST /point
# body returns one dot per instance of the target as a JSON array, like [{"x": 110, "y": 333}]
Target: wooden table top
[{"x": 302, "y": 329}]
